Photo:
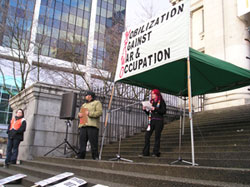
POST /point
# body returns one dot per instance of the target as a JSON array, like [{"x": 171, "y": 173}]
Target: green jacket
[{"x": 95, "y": 111}]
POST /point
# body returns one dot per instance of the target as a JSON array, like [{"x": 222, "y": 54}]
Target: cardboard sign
[
  {"x": 84, "y": 118},
  {"x": 73, "y": 182},
  {"x": 54, "y": 179},
  {"x": 12, "y": 178}
]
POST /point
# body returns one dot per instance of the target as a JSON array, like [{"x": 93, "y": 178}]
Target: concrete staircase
[{"x": 222, "y": 150}]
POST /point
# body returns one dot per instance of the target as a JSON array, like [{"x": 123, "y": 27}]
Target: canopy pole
[
  {"x": 190, "y": 109},
  {"x": 106, "y": 119}
]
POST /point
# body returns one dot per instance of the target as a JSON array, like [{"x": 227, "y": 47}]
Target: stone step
[
  {"x": 166, "y": 148},
  {"x": 234, "y": 141},
  {"x": 40, "y": 172},
  {"x": 213, "y": 155},
  {"x": 209, "y": 162},
  {"x": 206, "y": 130},
  {"x": 27, "y": 181},
  {"x": 138, "y": 170}
]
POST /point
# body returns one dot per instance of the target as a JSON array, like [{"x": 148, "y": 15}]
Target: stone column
[{"x": 41, "y": 103}]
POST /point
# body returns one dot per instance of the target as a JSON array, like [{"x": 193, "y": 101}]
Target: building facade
[
  {"x": 221, "y": 29},
  {"x": 63, "y": 42}
]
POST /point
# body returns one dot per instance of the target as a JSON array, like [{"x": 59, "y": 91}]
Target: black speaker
[{"x": 68, "y": 106}]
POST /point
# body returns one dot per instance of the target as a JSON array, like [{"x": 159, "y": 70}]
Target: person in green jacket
[{"x": 89, "y": 127}]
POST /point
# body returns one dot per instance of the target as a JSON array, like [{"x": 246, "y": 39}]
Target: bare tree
[{"x": 15, "y": 37}]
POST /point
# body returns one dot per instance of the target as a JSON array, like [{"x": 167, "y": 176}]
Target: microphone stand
[{"x": 118, "y": 156}]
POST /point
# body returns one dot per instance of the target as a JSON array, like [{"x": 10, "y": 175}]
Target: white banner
[
  {"x": 243, "y": 7},
  {"x": 160, "y": 40}
]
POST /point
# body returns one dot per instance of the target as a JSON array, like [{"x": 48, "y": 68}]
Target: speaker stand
[{"x": 65, "y": 142}]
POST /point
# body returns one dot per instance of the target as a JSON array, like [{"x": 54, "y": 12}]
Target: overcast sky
[{"x": 138, "y": 11}]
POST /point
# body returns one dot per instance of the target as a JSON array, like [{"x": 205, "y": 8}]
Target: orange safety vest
[{"x": 16, "y": 124}]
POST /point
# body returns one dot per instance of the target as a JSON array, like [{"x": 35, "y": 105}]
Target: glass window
[
  {"x": 5, "y": 96},
  {"x": 103, "y": 20},
  {"x": 73, "y": 3},
  {"x": 53, "y": 42},
  {"x": 49, "y": 22},
  {"x": 117, "y": 8},
  {"x": 81, "y": 5},
  {"x": 72, "y": 19},
  {"x": 70, "y": 38},
  {"x": 45, "y": 50},
  {"x": 65, "y": 17},
  {"x": 79, "y": 21},
  {"x": 85, "y": 24},
  {"x": 104, "y": 4},
  {"x": 44, "y": 2},
  {"x": 61, "y": 44},
  {"x": 110, "y": 6},
  {"x": 65, "y": 8},
  {"x": 30, "y": 5},
  {"x": 98, "y": 9},
  {"x": 20, "y": 13},
  {"x": 80, "y": 13},
  {"x": 4, "y": 105},
  {"x": 71, "y": 28},
  {"x": 123, "y": 3},
  {"x": 103, "y": 12},
  {"x": 67, "y": 2},
  {"x": 56, "y": 24},
  {"x": 50, "y": 12},
  {"x": 78, "y": 30},
  {"x": 52, "y": 51},
  {"x": 3, "y": 117},
  {"x": 86, "y": 15},
  {"x": 64, "y": 25},
  {"x": 102, "y": 29},
  {"x": 51, "y": 3},
  {"x": 55, "y": 33},
  {"x": 73, "y": 10},
  {"x": 40, "y": 29},
  {"x": 62, "y": 35},
  {"x": 78, "y": 37},
  {"x": 13, "y": 3},
  {"x": 47, "y": 30},
  {"x": 109, "y": 14},
  {"x": 87, "y": 6},
  {"x": 58, "y": 5},
  {"x": 109, "y": 22},
  {"x": 57, "y": 15}
]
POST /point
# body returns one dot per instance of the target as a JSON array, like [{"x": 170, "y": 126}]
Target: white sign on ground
[
  {"x": 73, "y": 182},
  {"x": 160, "y": 40},
  {"x": 12, "y": 178},
  {"x": 54, "y": 179}
]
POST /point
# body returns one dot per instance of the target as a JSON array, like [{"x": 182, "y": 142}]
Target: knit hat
[{"x": 90, "y": 93}]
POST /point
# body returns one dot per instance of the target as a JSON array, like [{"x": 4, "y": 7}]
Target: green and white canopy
[{"x": 208, "y": 75}]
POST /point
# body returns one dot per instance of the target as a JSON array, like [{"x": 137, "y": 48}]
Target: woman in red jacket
[{"x": 15, "y": 133}]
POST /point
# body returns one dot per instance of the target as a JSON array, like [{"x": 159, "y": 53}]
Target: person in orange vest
[{"x": 15, "y": 133}]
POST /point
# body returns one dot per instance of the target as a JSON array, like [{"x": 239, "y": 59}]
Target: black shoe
[
  {"x": 142, "y": 155},
  {"x": 156, "y": 155},
  {"x": 78, "y": 157}
]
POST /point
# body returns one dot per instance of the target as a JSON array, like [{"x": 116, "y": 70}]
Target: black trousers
[
  {"x": 12, "y": 150},
  {"x": 91, "y": 134},
  {"x": 157, "y": 126}
]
